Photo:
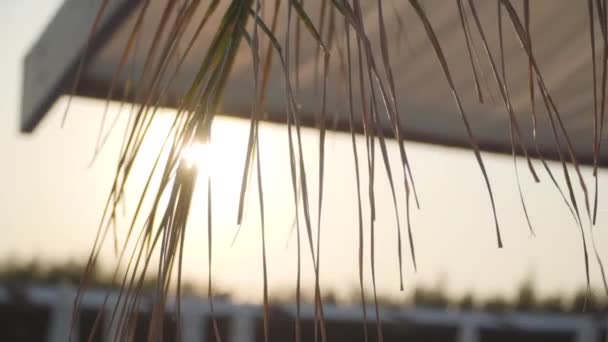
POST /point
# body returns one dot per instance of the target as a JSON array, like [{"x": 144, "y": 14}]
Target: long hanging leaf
[
  {"x": 506, "y": 89},
  {"x": 553, "y": 108},
  {"x": 397, "y": 122},
  {"x": 466, "y": 31},
  {"x": 598, "y": 119},
  {"x": 318, "y": 305},
  {"x": 322, "y": 15},
  {"x": 395, "y": 119},
  {"x": 389, "y": 175},
  {"x": 264, "y": 264},
  {"x": 502, "y": 85},
  {"x": 595, "y": 103},
  {"x": 253, "y": 43},
  {"x": 357, "y": 177},
  {"x": 437, "y": 47},
  {"x": 514, "y": 134},
  {"x": 569, "y": 184},
  {"x": 216, "y": 330},
  {"x": 531, "y": 83},
  {"x": 290, "y": 106}
]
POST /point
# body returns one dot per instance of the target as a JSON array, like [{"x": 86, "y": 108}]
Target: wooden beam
[{"x": 51, "y": 64}]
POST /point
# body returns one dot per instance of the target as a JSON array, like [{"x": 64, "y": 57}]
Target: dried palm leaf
[{"x": 156, "y": 245}]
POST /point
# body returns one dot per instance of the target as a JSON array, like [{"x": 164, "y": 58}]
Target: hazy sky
[{"x": 51, "y": 202}]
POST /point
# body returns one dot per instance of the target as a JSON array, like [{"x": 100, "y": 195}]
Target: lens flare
[{"x": 197, "y": 155}]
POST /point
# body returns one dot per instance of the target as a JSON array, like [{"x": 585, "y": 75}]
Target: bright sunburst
[{"x": 198, "y": 155}]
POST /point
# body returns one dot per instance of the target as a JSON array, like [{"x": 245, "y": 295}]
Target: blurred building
[{"x": 38, "y": 313}]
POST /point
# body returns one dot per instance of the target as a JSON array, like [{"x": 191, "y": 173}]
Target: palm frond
[{"x": 155, "y": 235}]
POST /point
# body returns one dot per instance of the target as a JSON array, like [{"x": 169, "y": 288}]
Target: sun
[{"x": 198, "y": 155}]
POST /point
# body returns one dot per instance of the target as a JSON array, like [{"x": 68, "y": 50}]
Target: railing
[{"x": 242, "y": 323}]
